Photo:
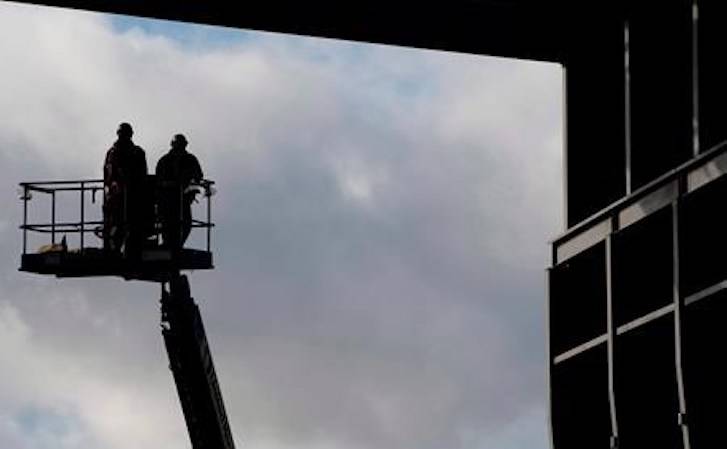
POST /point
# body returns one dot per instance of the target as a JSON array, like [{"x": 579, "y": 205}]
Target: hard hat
[
  {"x": 179, "y": 139},
  {"x": 125, "y": 128}
]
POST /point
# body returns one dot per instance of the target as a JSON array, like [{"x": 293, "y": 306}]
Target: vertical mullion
[
  {"x": 549, "y": 355},
  {"x": 611, "y": 335},
  {"x": 564, "y": 163},
  {"x": 695, "y": 77},
  {"x": 627, "y": 106},
  {"x": 678, "y": 331}
]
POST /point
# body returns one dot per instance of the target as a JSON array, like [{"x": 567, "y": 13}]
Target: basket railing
[{"x": 84, "y": 226}]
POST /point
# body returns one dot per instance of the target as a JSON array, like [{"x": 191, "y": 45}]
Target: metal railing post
[
  {"x": 53, "y": 218},
  {"x": 180, "y": 223},
  {"x": 83, "y": 210},
  {"x": 25, "y": 218},
  {"x": 209, "y": 216}
]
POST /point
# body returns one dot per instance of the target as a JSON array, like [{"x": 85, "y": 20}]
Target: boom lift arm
[
  {"x": 191, "y": 363},
  {"x": 184, "y": 336}
]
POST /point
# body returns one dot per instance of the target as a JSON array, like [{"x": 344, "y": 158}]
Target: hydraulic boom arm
[{"x": 190, "y": 360}]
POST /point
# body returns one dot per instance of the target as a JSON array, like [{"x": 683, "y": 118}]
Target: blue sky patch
[
  {"x": 35, "y": 420},
  {"x": 191, "y": 35}
]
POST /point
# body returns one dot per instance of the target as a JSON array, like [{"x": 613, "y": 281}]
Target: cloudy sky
[{"x": 383, "y": 217}]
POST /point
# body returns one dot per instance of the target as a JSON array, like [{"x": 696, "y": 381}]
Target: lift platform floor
[{"x": 153, "y": 265}]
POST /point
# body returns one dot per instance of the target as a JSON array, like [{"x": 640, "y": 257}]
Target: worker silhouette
[
  {"x": 125, "y": 214},
  {"x": 177, "y": 173}
]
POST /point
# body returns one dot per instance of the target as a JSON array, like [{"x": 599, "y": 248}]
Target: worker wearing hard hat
[
  {"x": 125, "y": 173},
  {"x": 178, "y": 172}
]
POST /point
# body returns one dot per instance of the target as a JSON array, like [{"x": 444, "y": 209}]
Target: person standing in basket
[
  {"x": 177, "y": 172},
  {"x": 125, "y": 172}
]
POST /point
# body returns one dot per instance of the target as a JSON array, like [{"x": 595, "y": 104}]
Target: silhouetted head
[
  {"x": 125, "y": 131},
  {"x": 179, "y": 141}
]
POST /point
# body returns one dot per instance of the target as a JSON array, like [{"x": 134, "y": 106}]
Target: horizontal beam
[
  {"x": 698, "y": 171},
  {"x": 524, "y": 29}
]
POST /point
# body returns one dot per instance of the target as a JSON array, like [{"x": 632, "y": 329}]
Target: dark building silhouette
[{"x": 637, "y": 286}]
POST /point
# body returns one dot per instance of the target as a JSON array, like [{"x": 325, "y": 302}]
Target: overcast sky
[{"x": 383, "y": 218}]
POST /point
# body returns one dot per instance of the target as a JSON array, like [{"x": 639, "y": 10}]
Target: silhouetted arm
[
  {"x": 142, "y": 163},
  {"x": 159, "y": 169},
  {"x": 196, "y": 170}
]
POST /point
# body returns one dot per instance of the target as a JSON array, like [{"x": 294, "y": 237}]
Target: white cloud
[{"x": 382, "y": 224}]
